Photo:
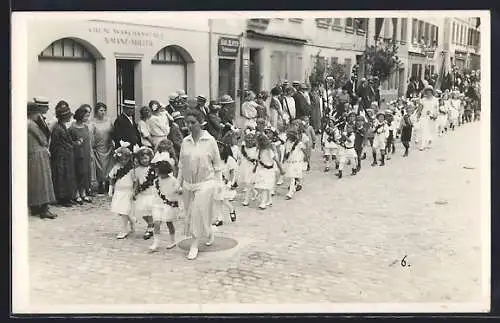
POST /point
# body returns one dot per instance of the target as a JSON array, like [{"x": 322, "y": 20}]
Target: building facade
[{"x": 463, "y": 43}]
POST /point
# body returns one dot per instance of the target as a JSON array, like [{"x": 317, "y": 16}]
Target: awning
[{"x": 252, "y": 34}]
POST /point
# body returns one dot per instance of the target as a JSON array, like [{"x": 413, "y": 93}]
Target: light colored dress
[
  {"x": 246, "y": 175},
  {"x": 381, "y": 135},
  {"x": 158, "y": 128},
  {"x": 143, "y": 128},
  {"x": 249, "y": 111},
  {"x": 121, "y": 203},
  {"x": 144, "y": 200},
  {"x": 102, "y": 147},
  {"x": 162, "y": 211},
  {"x": 265, "y": 175},
  {"x": 307, "y": 142},
  {"x": 198, "y": 163},
  {"x": 294, "y": 165}
]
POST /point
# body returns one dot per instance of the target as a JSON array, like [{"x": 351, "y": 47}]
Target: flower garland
[
  {"x": 244, "y": 153},
  {"x": 163, "y": 197},
  {"x": 122, "y": 171},
  {"x": 150, "y": 177},
  {"x": 287, "y": 154}
]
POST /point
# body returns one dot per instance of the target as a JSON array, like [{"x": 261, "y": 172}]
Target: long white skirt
[{"x": 199, "y": 208}]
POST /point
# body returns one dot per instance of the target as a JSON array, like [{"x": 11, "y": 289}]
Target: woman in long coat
[
  {"x": 102, "y": 146},
  {"x": 40, "y": 190},
  {"x": 316, "y": 109},
  {"x": 62, "y": 158},
  {"x": 200, "y": 177}
]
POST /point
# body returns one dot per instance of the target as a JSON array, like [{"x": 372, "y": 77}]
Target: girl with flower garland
[
  {"x": 246, "y": 176},
  {"x": 265, "y": 173},
  {"x": 381, "y": 133},
  {"x": 330, "y": 138},
  {"x": 229, "y": 169},
  {"x": 121, "y": 188},
  {"x": 348, "y": 152},
  {"x": 293, "y": 160},
  {"x": 167, "y": 146},
  {"x": 277, "y": 145},
  {"x": 144, "y": 190},
  {"x": 165, "y": 202}
]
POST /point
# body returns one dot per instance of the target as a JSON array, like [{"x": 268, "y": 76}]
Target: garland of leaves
[
  {"x": 122, "y": 171},
  {"x": 163, "y": 197},
  {"x": 150, "y": 177},
  {"x": 287, "y": 154},
  {"x": 244, "y": 153}
]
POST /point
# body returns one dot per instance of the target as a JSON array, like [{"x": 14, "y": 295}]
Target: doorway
[
  {"x": 255, "y": 69},
  {"x": 227, "y": 85},
  {"x": 125, "y": 81}
]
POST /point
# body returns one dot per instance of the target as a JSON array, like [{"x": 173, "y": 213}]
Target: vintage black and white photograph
[{"x": 251, "y": 162}]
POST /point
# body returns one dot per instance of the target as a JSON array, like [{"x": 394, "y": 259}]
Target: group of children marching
[{"x": 259, "y": 159}]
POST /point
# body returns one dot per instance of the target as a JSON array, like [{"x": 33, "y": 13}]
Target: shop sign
[
  {"x": 123, "y": 36},
  {"x": 228, "y": 46}
]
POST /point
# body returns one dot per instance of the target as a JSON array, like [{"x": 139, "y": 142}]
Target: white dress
[
  {"x": 161, "y": 211},
  {"x": 227, "y": 167},
  {"x": 265, "y": 175},
  {"x": 381, "y": 135},
  {"x": 121, "y": 203},
  {"x": 306, "y": 141},
  {"x": 246, "y": 175},
  {"x": 294, "y": 165},
  {"x": 144, "y": 200},
  {"x": 330, "y": 146}
]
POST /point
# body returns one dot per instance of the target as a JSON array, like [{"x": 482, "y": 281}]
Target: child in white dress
[
  {"x": 165, "y": 202},
  {"x": 330, "y": 138},
  {"x": 143, "y": 193},
  {"x": 228, "y": 193},
  {"x": 265, "y": 173},
  {"x": 348, "y": 155},
  {"x": 381, "y": 130},
  {"x": 293, "y": 160},
  {"x": 246, "y": 165},
  {"x": 121, "y": 188}
]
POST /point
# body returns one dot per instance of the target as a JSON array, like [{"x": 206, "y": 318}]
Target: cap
[
  {"x": 201, "y": 98},
  {"x": 177, "y": 115},
  {"x": 303, "y": 86},
  {"x": 41, "y": 101},
  {"x": 295, "y": 83},
  {"x": 129, "y": 103},
  {"x": 226, "y": 99},
  {"x": 32, "y": 107}
]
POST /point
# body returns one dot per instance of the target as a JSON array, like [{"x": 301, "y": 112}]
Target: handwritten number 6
[{"x": 403, "y": 261}]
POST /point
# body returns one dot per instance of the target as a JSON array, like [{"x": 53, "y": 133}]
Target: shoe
[
  {"x": 339, "y": 174},
  {"x": 270, "y": 203},
  {"x": 245, "y": 203},
  {"x": 79, "y": 201},
  {"x": 47, "y": 215},
  {"x": 364, "y": 156},
  {"x": 232, "y": 215},
  {"x": 147, "y": 235},
  {"x": 327, "y": 169},
  {"x": 87, "y": 199},
  {"x": 171, "y": 245},
  {"x": 298, "y": 188},
  {"x": 353, "y": 172},
  {"x": 405, "y": 154},
  {"x": 193, "y": 253},
  {"x": 262, "y": 206},
  {"x": 382, "y": 163},
  {"x": 210, "y": 240},
  {"x": 374, "y": 163},
  {"x": 288, "y": 197},
  {"x": 218, "y": 223},
  {"x": 123, "y": 235},
  {"x": 273, "y": 193}
]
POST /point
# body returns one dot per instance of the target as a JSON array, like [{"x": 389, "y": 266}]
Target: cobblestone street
[{"x": 335, "y": 241}]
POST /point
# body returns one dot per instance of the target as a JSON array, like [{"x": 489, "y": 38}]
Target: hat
[
  {"x": 129, "y": 104},
  {"x": 428, "y": 88},
  {"x": 360, "y": 118},
  {"x": 177, "y": 115},
  {"x": 123, "y": 150},
  {"x": 162, "y": 157},
  {"x": 226, "y": 99},
  {"x": 363, "y": 79},
  {"x": 144, "y": 149},
  {"x": 32, "y": 107},
  {"x": 295, "y": 83},
  {"x": 41, "y": 101},
  {"x": 330, "y": 78},
  {"x": 303, "y": 86},
  {"x": 63, "y": 111},
  {"x": 172, "y": 97},
  {"x": 201, "y": 98},
  {"x": 380, "y": 113},
  {"x": 181, "y": 94}
]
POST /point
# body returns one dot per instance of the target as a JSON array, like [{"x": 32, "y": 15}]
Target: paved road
[{"x": 336, "y": 241}]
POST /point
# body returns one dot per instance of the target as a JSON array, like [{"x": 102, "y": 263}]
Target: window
[
  {"x": 404, "y": 27},
  {"x": 436, "y": 36},
  {"x": 66, "y": 48},
  {"x": 414, "y": 31},
  {"x": 426, "y": 34},
  {"x": 323, "y": 23},
  {"x": 461, "y": 34},
  {"x": 349, "y": 22},
  {"x": 168, "y": 55},
  {"x": 337, "y": 24},
  {"x": 420, "y": 30},
  {"x": 394, "y": 29},
  {"x": 334, "y": 60}
]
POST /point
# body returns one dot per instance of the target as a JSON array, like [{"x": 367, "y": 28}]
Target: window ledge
[
  {"x": 349, "y": 30},
  {"x": 337, "y": 27},
  {"x": 296, "y": 20},
  {"x": 360, "y": 32}
]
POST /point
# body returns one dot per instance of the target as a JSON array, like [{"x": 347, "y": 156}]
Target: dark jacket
[
  {"x": 126, "y": 131},
  {"x": 214, "y": 125},
  {"x": 301, "y": 106},
  {"x": 411, "y": 91},
  {"x": 367, "y": 96}
]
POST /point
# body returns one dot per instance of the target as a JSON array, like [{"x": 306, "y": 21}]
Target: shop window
[
  {"x": 168, "y": 55},
  {"x": 426, "y": 34},
  {"x": 66, "y": 48}
]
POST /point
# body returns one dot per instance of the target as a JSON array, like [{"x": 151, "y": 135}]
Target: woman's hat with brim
[
  {"x": 143, "y": 150},
  {"x": 129, "y": 104},
  {"x": 428, "y": 88},
  {"x": 63, "y": 111},
  {"x": 33, "y": 108},
  {"x": 226, "y": 99},
  {"x": 380, "y": 113}
]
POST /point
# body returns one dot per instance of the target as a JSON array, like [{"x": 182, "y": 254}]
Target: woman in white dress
[
  {"x": 429, "y": 104},
  {"x": 249, "y": 111}
]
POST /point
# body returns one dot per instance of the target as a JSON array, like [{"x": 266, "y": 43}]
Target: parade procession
[{"x": 179, "y": 159}]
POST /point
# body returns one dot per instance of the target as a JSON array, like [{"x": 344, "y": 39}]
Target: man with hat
[
  {"x": 125, "y": 128},
  {"x": 201, "y": 102},
  {"x": 296, "y": 85},
  {"x": 171, "y": 108},
  {"x": 43, "y": 105},
  {"x": 40, "y": 186},
  {"x": 365, "y": 93},
  {"x": 214, "y": 124},
  {"x": 302, "y": 108},
  {"x": 227, "y": 112}
]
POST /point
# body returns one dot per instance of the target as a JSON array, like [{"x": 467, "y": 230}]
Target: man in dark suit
[
  {"x": 302, "y": 108},
  {"x": 43, "y": 105},
  {"x": 412, "y": 90},
  {"x": 365, "y": 93},
  {"x": 125, "y": 128}
]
